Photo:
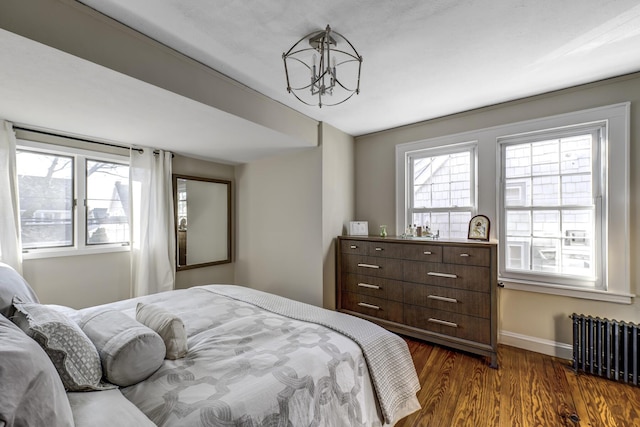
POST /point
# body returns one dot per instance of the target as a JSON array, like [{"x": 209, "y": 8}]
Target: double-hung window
[
  {"x": 440, "y": 189},
  {"x": 563, "y": 204},
  {"x": 71, "y": 200},
  {"x": 552, "y": 194}
]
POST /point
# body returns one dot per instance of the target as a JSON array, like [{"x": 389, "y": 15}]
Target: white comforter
[{"x": 248, "y": 366}]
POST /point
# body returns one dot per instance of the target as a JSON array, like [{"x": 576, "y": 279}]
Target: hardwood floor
[{"x": 529, "y": 389}]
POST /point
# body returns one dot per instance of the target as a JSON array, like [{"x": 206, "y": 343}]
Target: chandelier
[{"x": 322, "y": 69}]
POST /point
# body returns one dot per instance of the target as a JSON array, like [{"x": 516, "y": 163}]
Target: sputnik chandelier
[{"x": 321, "y": 73}]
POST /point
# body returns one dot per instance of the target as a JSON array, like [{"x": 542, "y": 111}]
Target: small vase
[{"x": 383, "y": 231}]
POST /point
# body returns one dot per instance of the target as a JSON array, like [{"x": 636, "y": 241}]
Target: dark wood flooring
[{"x": 529, "y": 389}]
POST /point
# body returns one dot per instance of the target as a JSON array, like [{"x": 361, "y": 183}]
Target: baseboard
[{"x": 539, "y": 345}]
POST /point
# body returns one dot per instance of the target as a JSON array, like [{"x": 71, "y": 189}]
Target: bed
[{"x": 249, "y": 358}]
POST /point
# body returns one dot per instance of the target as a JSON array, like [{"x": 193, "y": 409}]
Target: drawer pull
[
  {"x": 366, "y": 285},
  {"x": 427, "y": 252},
  {"x": 353, "y": 247},
  {"x": 464, "y": 255},
  {"x": 364, "y": 304},
  {"x": 379, "y": 249},
  {"x": 442, "y": 322},
  {"x": 450, "y": 276},
  {"x": 368, "y": 266},
  {"x": 439, "y": 298}
]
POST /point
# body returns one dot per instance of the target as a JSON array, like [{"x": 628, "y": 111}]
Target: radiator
[{"x": 606, "y": 348}]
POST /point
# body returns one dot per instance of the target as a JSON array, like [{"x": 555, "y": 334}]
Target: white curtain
[
  {"x": 153, "y": 256},
  {"x": 10, "y": 241}
]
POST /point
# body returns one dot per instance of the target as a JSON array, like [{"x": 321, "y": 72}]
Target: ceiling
[{"x": 421, "y": 60}]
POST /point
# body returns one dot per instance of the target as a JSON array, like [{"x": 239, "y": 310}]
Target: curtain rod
[{"x": 139, "y": 150}]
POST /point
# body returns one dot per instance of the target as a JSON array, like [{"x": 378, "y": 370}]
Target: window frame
[
  {"x": 598, "y": 131},
  {"x": 406, "y": 153},
  {"x": 25, "y": 142}
]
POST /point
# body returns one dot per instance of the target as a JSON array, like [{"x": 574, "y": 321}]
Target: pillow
[
  {"x": 167, "y": 325},
  {"x": 31, "y": 393},
  {"x": 130, "y": 352},
  {"x": 13, "y": 284},
  {"x": 72, "y": 353}
]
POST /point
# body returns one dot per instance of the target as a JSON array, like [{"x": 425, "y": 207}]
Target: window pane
[
  {"x": 546, "y": 191},
  {"x": 546, "y": 223},
  {"x": 576, "y": 154},
  {"x": 576, "y": 190},
  {"x": 442, "y": 181},
  {"x": 519, "y": 223},
  {"x": 45, "y": 184},
  {"x": 517, "y": 160},
  {"x": 107, "y": 203},
  {"x": 545, "y": 158}
]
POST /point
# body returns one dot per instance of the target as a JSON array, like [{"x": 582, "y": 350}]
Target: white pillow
[
  {"x": 13, "y": 284},
  {"x": 169, "y": 326},
  {"x": 72, "y": 353},
  {"x": 130, "y": 352},
  {"x": 31, "y": 393}
]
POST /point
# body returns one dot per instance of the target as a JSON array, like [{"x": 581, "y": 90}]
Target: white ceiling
[{"x": 421, "y": 59}]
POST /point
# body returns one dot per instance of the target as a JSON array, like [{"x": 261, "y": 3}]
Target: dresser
[{"x": 440, "y": 291}]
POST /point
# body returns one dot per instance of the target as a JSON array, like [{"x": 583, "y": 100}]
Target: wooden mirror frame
[{"x": 228, "y": 258}]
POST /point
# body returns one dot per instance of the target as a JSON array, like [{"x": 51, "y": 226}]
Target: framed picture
[
  {"x": 479, "y": 228},
  {"x": 358, "y": 228}
]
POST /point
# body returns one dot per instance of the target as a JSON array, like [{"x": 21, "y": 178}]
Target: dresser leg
[{"x": 494, "y": 361}]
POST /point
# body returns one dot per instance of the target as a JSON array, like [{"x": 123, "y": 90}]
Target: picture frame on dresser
[
  {"x": 358, "y": 228},
  {"x": 479, "y": 228}
]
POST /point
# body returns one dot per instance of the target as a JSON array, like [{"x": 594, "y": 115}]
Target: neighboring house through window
[{"x": 440, "y": 188}]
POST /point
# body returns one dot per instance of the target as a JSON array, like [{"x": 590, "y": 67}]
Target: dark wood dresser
[{"x": 437, "y": 290}]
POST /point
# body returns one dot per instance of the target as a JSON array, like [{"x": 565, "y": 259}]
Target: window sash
[
  {"x": 411, "y": 211},
  {"x": 559, "y": 272},
  {"x": 79, "y": 212}
]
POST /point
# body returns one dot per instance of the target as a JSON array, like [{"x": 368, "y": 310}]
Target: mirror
[{"x": 203, "y": 221}]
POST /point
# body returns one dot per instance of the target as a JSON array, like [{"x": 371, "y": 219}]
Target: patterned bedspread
[{"x": 248, "y": 366}]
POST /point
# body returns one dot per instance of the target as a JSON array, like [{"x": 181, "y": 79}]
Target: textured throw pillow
[
  {"x": 130, "y": 352},
  {"x": 31, "y": 393},
  {"x": 72, "y": 353},
  {"x": 12, "y": 284},
  {"x": 170, "y": 327}
]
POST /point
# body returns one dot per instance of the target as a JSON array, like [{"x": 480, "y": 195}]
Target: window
[
  {"x": 441, "y": 189},
  {"x": 556, "y": 190},
  {"x": 71, "y": 200},
  {"x": 552, "y": 190}
]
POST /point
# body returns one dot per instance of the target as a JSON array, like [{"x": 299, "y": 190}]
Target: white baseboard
[{"x": 539, "y": 345}]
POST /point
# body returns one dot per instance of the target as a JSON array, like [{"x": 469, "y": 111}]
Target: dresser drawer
[
  {"x": 372, "y": 306},
  {"x": 447, "y": 299},
  {"x": 447, "y": 323},
  {"x": 448, "y": 275},
  {"x": 427, "y": 253},
  {"x": 372, "y": 266},
  {"x": 353, "y": 247},
  {"x": 467, "y": 256},
  {"x": 385, "y": 250},
  {"x": 372, "y": 286}
]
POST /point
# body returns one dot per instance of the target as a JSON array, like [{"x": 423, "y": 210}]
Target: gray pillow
[
  {"x": 130, "y": 352},
  {"x": 13, "y": 284},
  {"x": 72, "y": 353},
  {"x": 169, "y": 326},
  {"x": 31, "y": 393}
]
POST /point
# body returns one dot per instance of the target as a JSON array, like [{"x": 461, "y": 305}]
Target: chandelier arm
[{"x": 348, "y": 42}]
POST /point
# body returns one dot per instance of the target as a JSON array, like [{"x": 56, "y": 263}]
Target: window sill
[
  {"x": 64, "y": 252},
  {"x": 558, "y": 290}
]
